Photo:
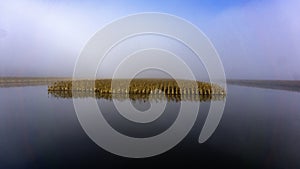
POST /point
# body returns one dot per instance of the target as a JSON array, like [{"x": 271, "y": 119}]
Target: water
[{"x": 259, "y": 129}]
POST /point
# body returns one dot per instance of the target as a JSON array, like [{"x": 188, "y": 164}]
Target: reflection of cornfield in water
[
  {"x": 143, "y": 97},
  {"x": 142, "y": 87}
]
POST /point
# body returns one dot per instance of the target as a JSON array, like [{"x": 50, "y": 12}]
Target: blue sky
[{"x": 255, "y": 39}]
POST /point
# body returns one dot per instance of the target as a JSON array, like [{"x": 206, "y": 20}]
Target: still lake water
[{"x": 260, "y": 128}]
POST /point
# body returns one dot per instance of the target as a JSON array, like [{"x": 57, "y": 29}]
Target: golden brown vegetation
[{"x": 139, "y": 86}]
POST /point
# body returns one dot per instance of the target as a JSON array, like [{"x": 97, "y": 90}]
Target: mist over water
[{"x": 255, "y": 39}]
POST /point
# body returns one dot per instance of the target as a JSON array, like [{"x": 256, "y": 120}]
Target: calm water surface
[{"x": 260, "y": 128}]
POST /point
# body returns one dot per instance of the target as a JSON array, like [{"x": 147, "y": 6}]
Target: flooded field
[{"x": 259, "y": 129}]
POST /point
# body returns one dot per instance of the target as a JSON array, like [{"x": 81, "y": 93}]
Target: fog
[{"x": 255, "y": 39}]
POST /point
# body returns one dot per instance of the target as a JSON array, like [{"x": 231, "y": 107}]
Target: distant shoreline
[
  {"x": 28, "y": 81},
  {"x": 289, "y": 85}
]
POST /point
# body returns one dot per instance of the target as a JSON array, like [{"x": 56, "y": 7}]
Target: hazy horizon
[{"x": 255, "y": 39}]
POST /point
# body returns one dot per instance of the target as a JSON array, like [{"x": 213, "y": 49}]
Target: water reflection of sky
[{"x": 259, "y": 128}]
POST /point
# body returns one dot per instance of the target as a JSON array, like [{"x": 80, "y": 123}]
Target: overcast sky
[{"x": 255, "y": 39}]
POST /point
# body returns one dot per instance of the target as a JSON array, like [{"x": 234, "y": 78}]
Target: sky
[{"x": 255, "y": 39}]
